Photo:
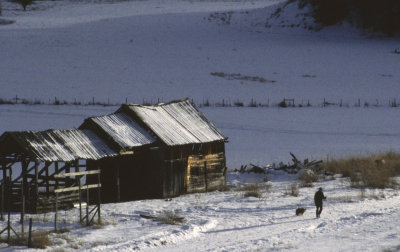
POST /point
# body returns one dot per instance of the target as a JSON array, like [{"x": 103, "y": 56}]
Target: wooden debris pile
[
  {"x": 298, "y": 165},
  {"x": 294, "y": 168},
  {"x": 252, "y": 168}
]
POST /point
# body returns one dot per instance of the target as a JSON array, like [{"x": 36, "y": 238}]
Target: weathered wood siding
[
  {"x": 173, "y": 177},
  {"x": 205, "y": 173}
]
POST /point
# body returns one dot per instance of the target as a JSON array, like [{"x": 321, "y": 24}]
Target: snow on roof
[
  {"x": 124, "y": 130},
  {"x": 60, "y": 145},
  {"x": 178, "y": 123}
]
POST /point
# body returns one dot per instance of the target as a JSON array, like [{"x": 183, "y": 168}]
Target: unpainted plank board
[{"x": 76, "y": 188}]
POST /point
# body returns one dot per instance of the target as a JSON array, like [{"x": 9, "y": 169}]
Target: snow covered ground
[
  {"x": 157, "y": 49},
  {"x": 229, "y": 221}
]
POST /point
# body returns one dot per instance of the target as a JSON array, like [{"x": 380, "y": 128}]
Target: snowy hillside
[
  {"x": 165, "y": 50},
  {"x": 236, "y": 51}
]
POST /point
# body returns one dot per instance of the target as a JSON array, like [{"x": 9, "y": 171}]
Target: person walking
[{"x": 318, "y": 197}]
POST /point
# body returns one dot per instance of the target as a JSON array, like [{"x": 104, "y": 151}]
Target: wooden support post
[
  {"x": 55, "y": 214},
  {"x": 205, "y": 175},
  {"x": 36, "y": 182},
  {"x": 4, "y": 166},
  {"x": 9, "y": 216},
  {"x": 47, "y": 181},
  {"x": 2, "y": 200},
  {"x": 68, "y": 170},
  {"x": 22, "y": 203},
  {"x": 23, "y": 216},
  {"x": 10, "y": 173},
  {"x": 80, "y": 198},
  {"x": 30, "y": 233},
  {"x": 5, "y": 185},
  {"x": 98, "y": 199},
  {"x": 24, "y": 177},
  {"x": 56, "y": 172},
  {"x": 87, "y": 207}
]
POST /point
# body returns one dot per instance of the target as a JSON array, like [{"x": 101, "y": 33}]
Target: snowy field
[{"x": 162, "y": 50}]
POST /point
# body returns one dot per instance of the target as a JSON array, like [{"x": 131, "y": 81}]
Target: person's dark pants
[{"x": 319, "y": 210}]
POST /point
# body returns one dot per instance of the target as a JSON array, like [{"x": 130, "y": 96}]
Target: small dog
[{"x": 300, "y": 211}]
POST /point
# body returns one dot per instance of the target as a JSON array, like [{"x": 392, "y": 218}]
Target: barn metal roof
[
  {"x": 124, "y": 130},
  {"x": 60, "y": 145},
  {"x": 177, "y": 123}
]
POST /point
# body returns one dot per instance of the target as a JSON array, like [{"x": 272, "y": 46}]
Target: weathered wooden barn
[
  {"x": 30, "y": 160},
  {"x": 142, "y": 152},
  {"x": 165, "y": 150}
]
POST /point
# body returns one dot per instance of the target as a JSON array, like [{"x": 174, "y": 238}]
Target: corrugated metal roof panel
[
  {"x": 193, "y": 120},
  {"x": 178, "y": 123},
  {"x": 62, "y": 145},
  {"x": 124, "y": 130}
]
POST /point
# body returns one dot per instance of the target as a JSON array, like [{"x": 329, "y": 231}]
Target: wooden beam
[
  {"x": 71, "y": 174},
  {"x": 76, "y": 188}
]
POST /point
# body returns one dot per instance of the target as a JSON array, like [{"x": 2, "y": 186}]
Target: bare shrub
[
  {"x": 293, "y": 190},
  {"x": 307, "y": 178},
  {"x": 252, "y": 190},
  {"x": 14, "y": 241},
  {"x": 39, "y": 240},
  {"x": 170, "y": 217},
  {"x": 225, "y": 188},
  {"x": 373, "y": 171}
]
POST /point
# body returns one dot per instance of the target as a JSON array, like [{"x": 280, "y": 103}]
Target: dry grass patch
[
  {"x": 254, "y": 190},
  {"x": 373, "y": 171}
]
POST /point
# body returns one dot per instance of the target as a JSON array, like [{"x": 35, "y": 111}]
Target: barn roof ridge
[{"x": 177, "y": 122}]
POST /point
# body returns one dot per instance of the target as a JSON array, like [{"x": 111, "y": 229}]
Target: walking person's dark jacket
[{"x": 318, "y": 197}]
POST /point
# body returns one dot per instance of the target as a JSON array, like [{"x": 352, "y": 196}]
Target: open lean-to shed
[
  {"x": 30, "y": 161},
  {"x": 164, "y": 150}
]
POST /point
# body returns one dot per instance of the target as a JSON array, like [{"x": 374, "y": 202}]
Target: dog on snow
[{"x": 300, "y": 211}]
